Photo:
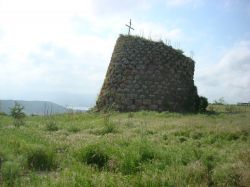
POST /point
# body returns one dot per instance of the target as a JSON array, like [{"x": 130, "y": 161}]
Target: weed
[
  {"x": 93, "y": 155},
  {"x": 51, "y": 126},
  {"x": 232, "y": 109},
  {"x": 130, "y": 115},
  {"x": 2, "y": 158},
  {"x": 182, "y": 138},
  {"x": 196, "y": 135},
  {"x": 3, "y": 114},
  {"x": 137, "y": 153},
  {"x": 228, "y": 175},
  {"x": 130, "y": 162},
  {"x": 149, "y": 132},
  {"x": 109, "y": 126},
  {"x": 165, "y": 137},
  {"x": 196, "y": 172},
  {"x": 209, "y": 160},
  {"x": 18, "y": 122},
  {"x": 146, "y": 152},
  {"x": 73, "y": 129},
  {"x": 129, "y": 123},
  {"x": 182, "y": 133},
  {"x": 39, "y": 158},
  {"x": 10, "y": 172}
]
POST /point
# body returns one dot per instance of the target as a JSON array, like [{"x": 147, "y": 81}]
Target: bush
[
  {"x": 196, "y": 172},
  {"x": 41, "y": 159},
  {"x": 182, "y": 138},
  {"x": 146, "y": 152},
  {"x": 109, "y": 126},
  {"x": 94, "y": 155},
  {"x": 209, "y": 160},
  {"x": 51, "y": 126},
  {"x": 232, "y": 109},
  {"x": 17, "y": 111},
  {"x": 3, "y": 114},
  {"x": 130, "y": 115},
  {"x": 2, "y": 158},
  {"x": 137, "y": 154},
  {"x": 203, "y": 103},
  {"x": 228, "y": 175},
  {"x": 10, "y": 172},
  {"x": 130, "y": 162},
  {"x": 18, "y": 115},
  {"x": 73, "y": 129}
]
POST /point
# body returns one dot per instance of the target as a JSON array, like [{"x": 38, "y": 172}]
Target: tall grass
[{"x": 128, "y": 149}]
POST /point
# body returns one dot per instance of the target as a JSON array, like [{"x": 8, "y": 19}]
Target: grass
[{"x": 128, "y": 149}]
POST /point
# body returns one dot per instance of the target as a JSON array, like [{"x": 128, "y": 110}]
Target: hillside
[
  {"x": 128, "y": 149},
  {"x": 33, "y": 107}
]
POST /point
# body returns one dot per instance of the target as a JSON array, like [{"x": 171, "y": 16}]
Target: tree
[
  {"x": 221, "y": 101},
  {"x": 18, "y": 115}
]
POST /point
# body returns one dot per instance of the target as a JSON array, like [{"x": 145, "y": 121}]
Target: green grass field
[{"x": 128, "y": 149}]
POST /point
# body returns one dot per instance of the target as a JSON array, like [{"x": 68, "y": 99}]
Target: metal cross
[{"x": 129, "y": 27}]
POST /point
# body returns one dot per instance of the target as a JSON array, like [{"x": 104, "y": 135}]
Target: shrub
[
  {"x": 182, "y": 138},
  {"x": 196, "y": 172},
  {"x": 130, "y": 115},
  {"x": 3, "y": 114},
  {"x": 135, "y": 155},
  {"x": 73, "y": 129},
  {"x": 2, "y": 158},
  {"x": 17, "y": 111},
  {"x": 196, "y": 135},
  {"x": 232, "y": 109},
  {"x": 42, "y": 159},
  {"x": 165, "y": 137},
  {"x": 129, "y": 123},
  {"x": 203, "y": 103},
  {"x": 209, "y": 160},
  {"x": 228, "y": 175},
  {"x": 130, "y": 162},
  {"x": 51, "y": 126},
  {"x": 146, "y": 152},
  {"x": 94, "y": 155},
  {"x": 180, "y": 51},
  {"x": 10, "y": 172},
  {"x": 18, "y": 115},
  {"x": 109, "y": 126}
]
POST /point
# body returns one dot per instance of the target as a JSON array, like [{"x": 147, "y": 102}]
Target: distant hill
[{"x": 33, "y": 107}]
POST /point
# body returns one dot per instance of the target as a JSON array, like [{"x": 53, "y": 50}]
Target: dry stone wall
[{"x": 148, "y": 75}]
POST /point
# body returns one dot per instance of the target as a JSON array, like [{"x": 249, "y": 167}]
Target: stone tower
[{"x": 148, "y": 75}]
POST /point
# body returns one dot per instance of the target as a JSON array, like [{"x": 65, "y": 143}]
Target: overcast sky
[{"x": 59, "y": 50}]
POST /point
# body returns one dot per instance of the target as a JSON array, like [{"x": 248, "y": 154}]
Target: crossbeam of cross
[{"x": 129, "y": 27}]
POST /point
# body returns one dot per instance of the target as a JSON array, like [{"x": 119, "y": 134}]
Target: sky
[{"x": 59, "y": 50}]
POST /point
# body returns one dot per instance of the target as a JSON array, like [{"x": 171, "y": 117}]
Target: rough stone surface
[{"x": 148, "y": 75}]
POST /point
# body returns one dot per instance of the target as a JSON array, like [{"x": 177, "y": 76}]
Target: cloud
[
  {"x": 111, "y": 7},
  {"x": 177, "y": 3},
  {"x": 63, "y": 46},
  {"x": 229, "y": 78}
]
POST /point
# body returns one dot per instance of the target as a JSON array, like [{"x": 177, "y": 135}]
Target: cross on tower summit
[{"x": 129, "y": 27}]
